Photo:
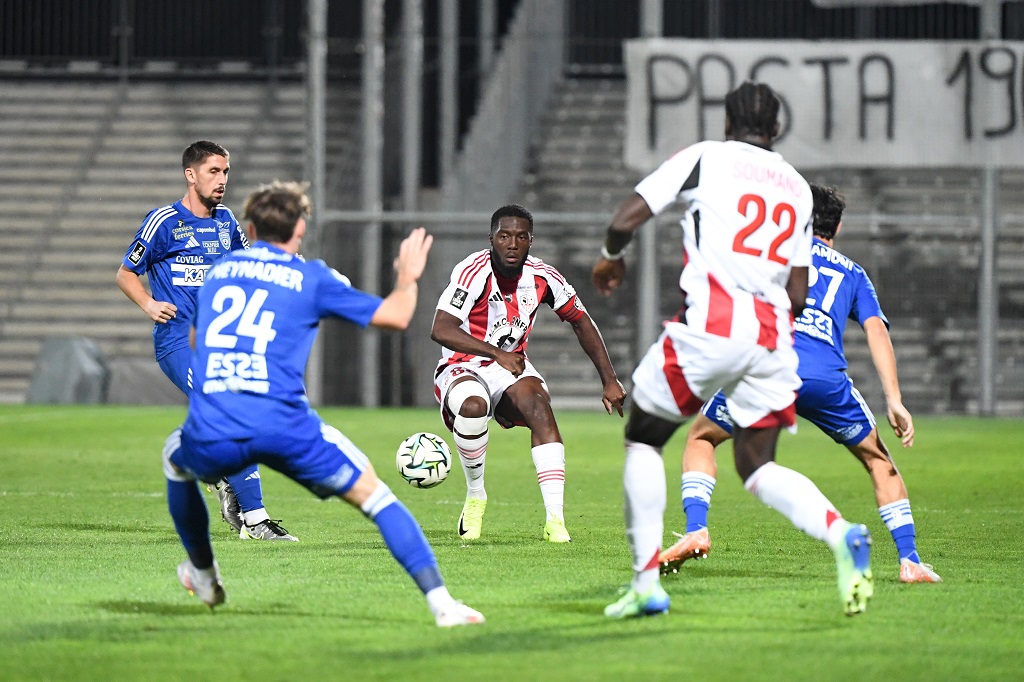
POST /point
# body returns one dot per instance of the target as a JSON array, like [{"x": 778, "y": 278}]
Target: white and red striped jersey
[
  {"x": 747, "y": 223},
  {"x": 501, "y": 311}
]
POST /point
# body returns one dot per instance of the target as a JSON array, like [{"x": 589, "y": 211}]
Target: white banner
[{"x": 844, "y": 103}]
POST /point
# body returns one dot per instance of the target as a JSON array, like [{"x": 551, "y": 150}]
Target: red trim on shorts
[
  {"x": 719, "y": 309},
  {"x": 686, "y": 401},
  {"x": 783, "y": 418},
  {"x": 768, "y": 334}
]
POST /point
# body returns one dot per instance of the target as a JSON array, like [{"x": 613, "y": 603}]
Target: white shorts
[
  {"x": 684, "y": 368},
  {"x": 493, "y": 376}
]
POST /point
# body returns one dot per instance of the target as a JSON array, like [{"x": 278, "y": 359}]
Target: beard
[
  {"x": 504, "y": 269},
  {"x": 209, "y": 201}
]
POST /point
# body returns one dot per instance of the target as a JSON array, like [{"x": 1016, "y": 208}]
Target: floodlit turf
[{"x": 87, "y": 557}]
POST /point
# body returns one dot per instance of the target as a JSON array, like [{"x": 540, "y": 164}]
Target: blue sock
[
  {"x": 696, "y": 511},
  {"x": 900, "y": 522},
  {"x": 191, "y": 520},
  {"x": 697, "y": 489},
  {"x": 906, "y": 542},
  {"x": 403, "y": 537},
  {"x": 247, "y": 487}
]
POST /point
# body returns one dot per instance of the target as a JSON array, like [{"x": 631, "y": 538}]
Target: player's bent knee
[
  {"x": 471, "y": 395},
  {"x": 373, "y": 495},
  {"x": 171, "y": 445},
  {"x": 362, "y": 488}
]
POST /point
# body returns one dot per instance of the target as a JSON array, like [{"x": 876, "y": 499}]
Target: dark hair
[
  {"x": 275, "y": 209},
  {"x": 752, "y": 109},
  {"x": 829, "y": 205},
  {"x": 510, "y": 211},
  {"x": 197, "y": 152}
]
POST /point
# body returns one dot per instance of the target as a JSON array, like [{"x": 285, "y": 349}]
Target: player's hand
[
  {"x": 412, "y": 256},
  {"x": 614, "y": 396},
  {"x": 608, "y": 275},
  {"x": 161, "y": 312},
  {"x": 513, "y": 362},
  {"x": 901, "y": 422}
]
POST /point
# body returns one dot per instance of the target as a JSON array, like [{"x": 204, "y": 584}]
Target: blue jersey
[
  {"x": 838, "y": 289},
  {"x": 174, "y": 249},
  {"x": 256, "y": 318}
]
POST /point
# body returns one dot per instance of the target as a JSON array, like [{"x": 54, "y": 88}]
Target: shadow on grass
[
  {"x": 196, "y": 609},
  {"x": 108, "y": 527}
]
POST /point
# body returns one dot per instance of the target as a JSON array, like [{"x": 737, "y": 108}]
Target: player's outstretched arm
[
  {"x": 131, "y": 285},
  {"x": 447, "y": 331},
  {"x": 613, "y": 395},
  {"x": 397, "y": 309},
  {"x": 609, "y": 272},
  {"x": 884, "y": 358}
]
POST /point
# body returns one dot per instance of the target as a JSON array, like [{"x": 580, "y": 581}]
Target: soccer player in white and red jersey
[
  {"x": 839, "y": 290},
  {"x": 747, "y": 248},
  {"x": 483, "y": 322}
]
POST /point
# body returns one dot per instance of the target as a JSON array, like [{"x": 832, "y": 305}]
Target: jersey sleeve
[
  {"x": 564, "y": 300},
  {"x": 336, "y": 297},
  {"x": 465, "y": 286},
  {"x": 150, "y": 243},
  {"x": 865, "y": 300},
  {"x": 662, "y": 187}
]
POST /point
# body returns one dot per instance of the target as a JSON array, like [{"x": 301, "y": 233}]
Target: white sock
[
  {"x": 473, "y": 454},
  {"x": 644, "y": 486},
  {"x": 896, "y": 514},
  {"x": 438, "y": 599},
  {"x": 255, "y": 516},
  {"x": 549, "y": 459},
  {"x": 794, "y": 496}
]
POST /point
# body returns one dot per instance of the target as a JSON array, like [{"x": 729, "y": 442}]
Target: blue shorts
[
  {"x": 834, "y": 405},
  {"x": 177, "y": 365},
  {"x": 315, "y": 455}
]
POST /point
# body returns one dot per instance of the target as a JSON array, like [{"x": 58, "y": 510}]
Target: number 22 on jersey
[{"x": 782, "y": 210}]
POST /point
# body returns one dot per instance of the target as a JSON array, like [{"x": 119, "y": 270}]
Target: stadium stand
[{"x": 82, "y": 163}]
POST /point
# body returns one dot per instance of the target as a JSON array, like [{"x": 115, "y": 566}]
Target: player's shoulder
[
  {"x": 695, "y": 151},
  {"x": 225, "y": 212},
  {"x": 544, "y": 269},
  {"x": 160, "y": 215},
  {"x": 472, "y": 266}
]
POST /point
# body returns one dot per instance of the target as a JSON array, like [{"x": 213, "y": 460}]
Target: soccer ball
[{"x": 424, "y": 460}]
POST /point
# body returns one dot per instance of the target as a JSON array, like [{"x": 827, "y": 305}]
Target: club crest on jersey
[
  {"x": 137, "y": 252},
  {"x": 459, "y": 298},
  {"x": 224, "y": 232}
]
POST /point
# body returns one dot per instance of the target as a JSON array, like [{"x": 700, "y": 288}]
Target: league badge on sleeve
[
  {"x": 137, "y": 252},
  {"x": 459, "y": 298}
]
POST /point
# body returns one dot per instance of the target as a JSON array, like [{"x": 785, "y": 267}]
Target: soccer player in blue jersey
[
  {"x": 839, "y": 290},
  {"x": 174, "y": 248},
  {"x": 256, "y": 319}
]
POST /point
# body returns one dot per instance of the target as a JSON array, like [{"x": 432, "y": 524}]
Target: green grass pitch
[{"x": 87, "y": 557}]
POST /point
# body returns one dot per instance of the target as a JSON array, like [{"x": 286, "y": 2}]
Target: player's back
[
  {"x": 747, "y": 225},
  {"x": 838, "y": 290},
  {"x": 256, "y": 319}
]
